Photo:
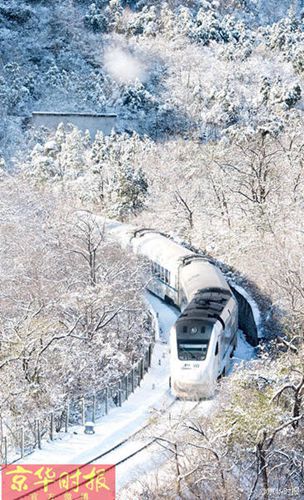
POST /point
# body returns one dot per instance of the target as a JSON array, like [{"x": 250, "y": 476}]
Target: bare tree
[
  {"x": 89, "y": 236},
  {"x": 252, "y": 170}
]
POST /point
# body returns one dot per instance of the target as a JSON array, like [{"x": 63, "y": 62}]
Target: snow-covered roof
[
  {"x": 160, "y": 249},
  {"x": 200, "y": 275}
]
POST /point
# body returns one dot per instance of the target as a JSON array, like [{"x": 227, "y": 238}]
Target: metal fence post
[
  {"x": 94, "y": 408},
  {"x": 106, "y": 401},
  {"x": 82, "y": 412},
  {"x": 150, "y": 355},
  {"x": 132, "y": 379},
  {"x": 52, "y": 426},
  {"x": 67, "y": 417},
  {"x": 138, "y": 373},
  {"x": 119, "y": 393},
  {"x": 22, "y": 442},
  {"x": 146, "y": 358},
  {"x": 5, "y": 458},
  {"x": 38, "y": 434},
  {"x": 126, "y": 387}
]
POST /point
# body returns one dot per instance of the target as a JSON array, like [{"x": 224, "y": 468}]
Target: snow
[
  {"x": 122, "y": 233},
  {"x": 243, "y": 351},
  {"x": 122, "y": 422},
  {"x": 152, "y": 458},
  {"x": 118, "y": 424},
  {"x": 166, "y": 316},
  {"x": 151, "y": 402}
]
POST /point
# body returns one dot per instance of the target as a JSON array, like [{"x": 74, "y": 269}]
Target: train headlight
[{"x": 194, "y": 330}]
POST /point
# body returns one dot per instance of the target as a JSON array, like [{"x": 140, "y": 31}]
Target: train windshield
[{"x": 188, "y": 350}]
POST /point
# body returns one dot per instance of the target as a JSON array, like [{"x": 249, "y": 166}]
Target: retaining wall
[
  {"x": 84, "y": 121},
  {"x": 247, "y": 320}
]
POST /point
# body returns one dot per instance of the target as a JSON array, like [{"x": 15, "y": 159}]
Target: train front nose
[
  {"x": 193, "y": 382},
  {"x": 191, "y": 370},
  {"x": 193, "y": 389}
]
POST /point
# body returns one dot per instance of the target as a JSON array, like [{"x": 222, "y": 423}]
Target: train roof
[
  {"x": 160, "y": 249},
  {"x": 207, "y": 304},
  {"x": 195, "y": 314},
  {"x": 203, "y": 276},
  {"x": 206, "y": 307},
  {"x": 149, "y": 243}
]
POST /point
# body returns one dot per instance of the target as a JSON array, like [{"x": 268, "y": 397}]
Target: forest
[{"x": 209, "y": 148}]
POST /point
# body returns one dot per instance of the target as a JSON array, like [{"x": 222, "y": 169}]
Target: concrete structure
[
  {"x": 84, "y": 121},
  {"x": 246, "y": 319}
]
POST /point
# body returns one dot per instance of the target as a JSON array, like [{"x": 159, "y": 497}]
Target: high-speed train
[{"x": 205, "y": 334}]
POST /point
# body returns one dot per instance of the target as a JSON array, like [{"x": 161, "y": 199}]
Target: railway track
[{"x": 175, "y": 404}]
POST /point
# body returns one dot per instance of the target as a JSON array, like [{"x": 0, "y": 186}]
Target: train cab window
[{"x": 192, "y": 351}]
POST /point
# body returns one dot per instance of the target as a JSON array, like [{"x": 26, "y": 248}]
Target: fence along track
[
  {"x": 102, "y": 455},
  {"x": 76, "y": 412}
]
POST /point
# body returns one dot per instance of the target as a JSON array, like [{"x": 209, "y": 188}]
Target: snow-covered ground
[
  {"x": 152, "y": 396},
  {"x": 151, "y": 402}
]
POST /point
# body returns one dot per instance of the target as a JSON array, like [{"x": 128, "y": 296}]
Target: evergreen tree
[
  {"x": 95, "y": 19},
  {"x": 127, "y": 191}
]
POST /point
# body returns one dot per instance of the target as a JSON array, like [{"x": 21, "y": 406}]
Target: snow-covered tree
[
  {"x": 127, "y": 190},
  {"x": 67, "y": 298},
  {"x": 95, "y": 19}
]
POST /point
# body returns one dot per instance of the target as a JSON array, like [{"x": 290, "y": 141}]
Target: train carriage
[{"x": 205, "y": 334}]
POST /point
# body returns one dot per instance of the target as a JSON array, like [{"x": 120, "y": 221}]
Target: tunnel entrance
[{"x": 247, "y": 321}]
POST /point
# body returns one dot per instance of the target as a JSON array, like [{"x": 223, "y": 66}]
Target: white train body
[{"x": 205, "y": 334}]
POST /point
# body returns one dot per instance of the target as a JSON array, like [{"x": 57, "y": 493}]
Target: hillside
[
  {"x": 161, "y": 67},
  {"x": 208, "y": 148}
]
